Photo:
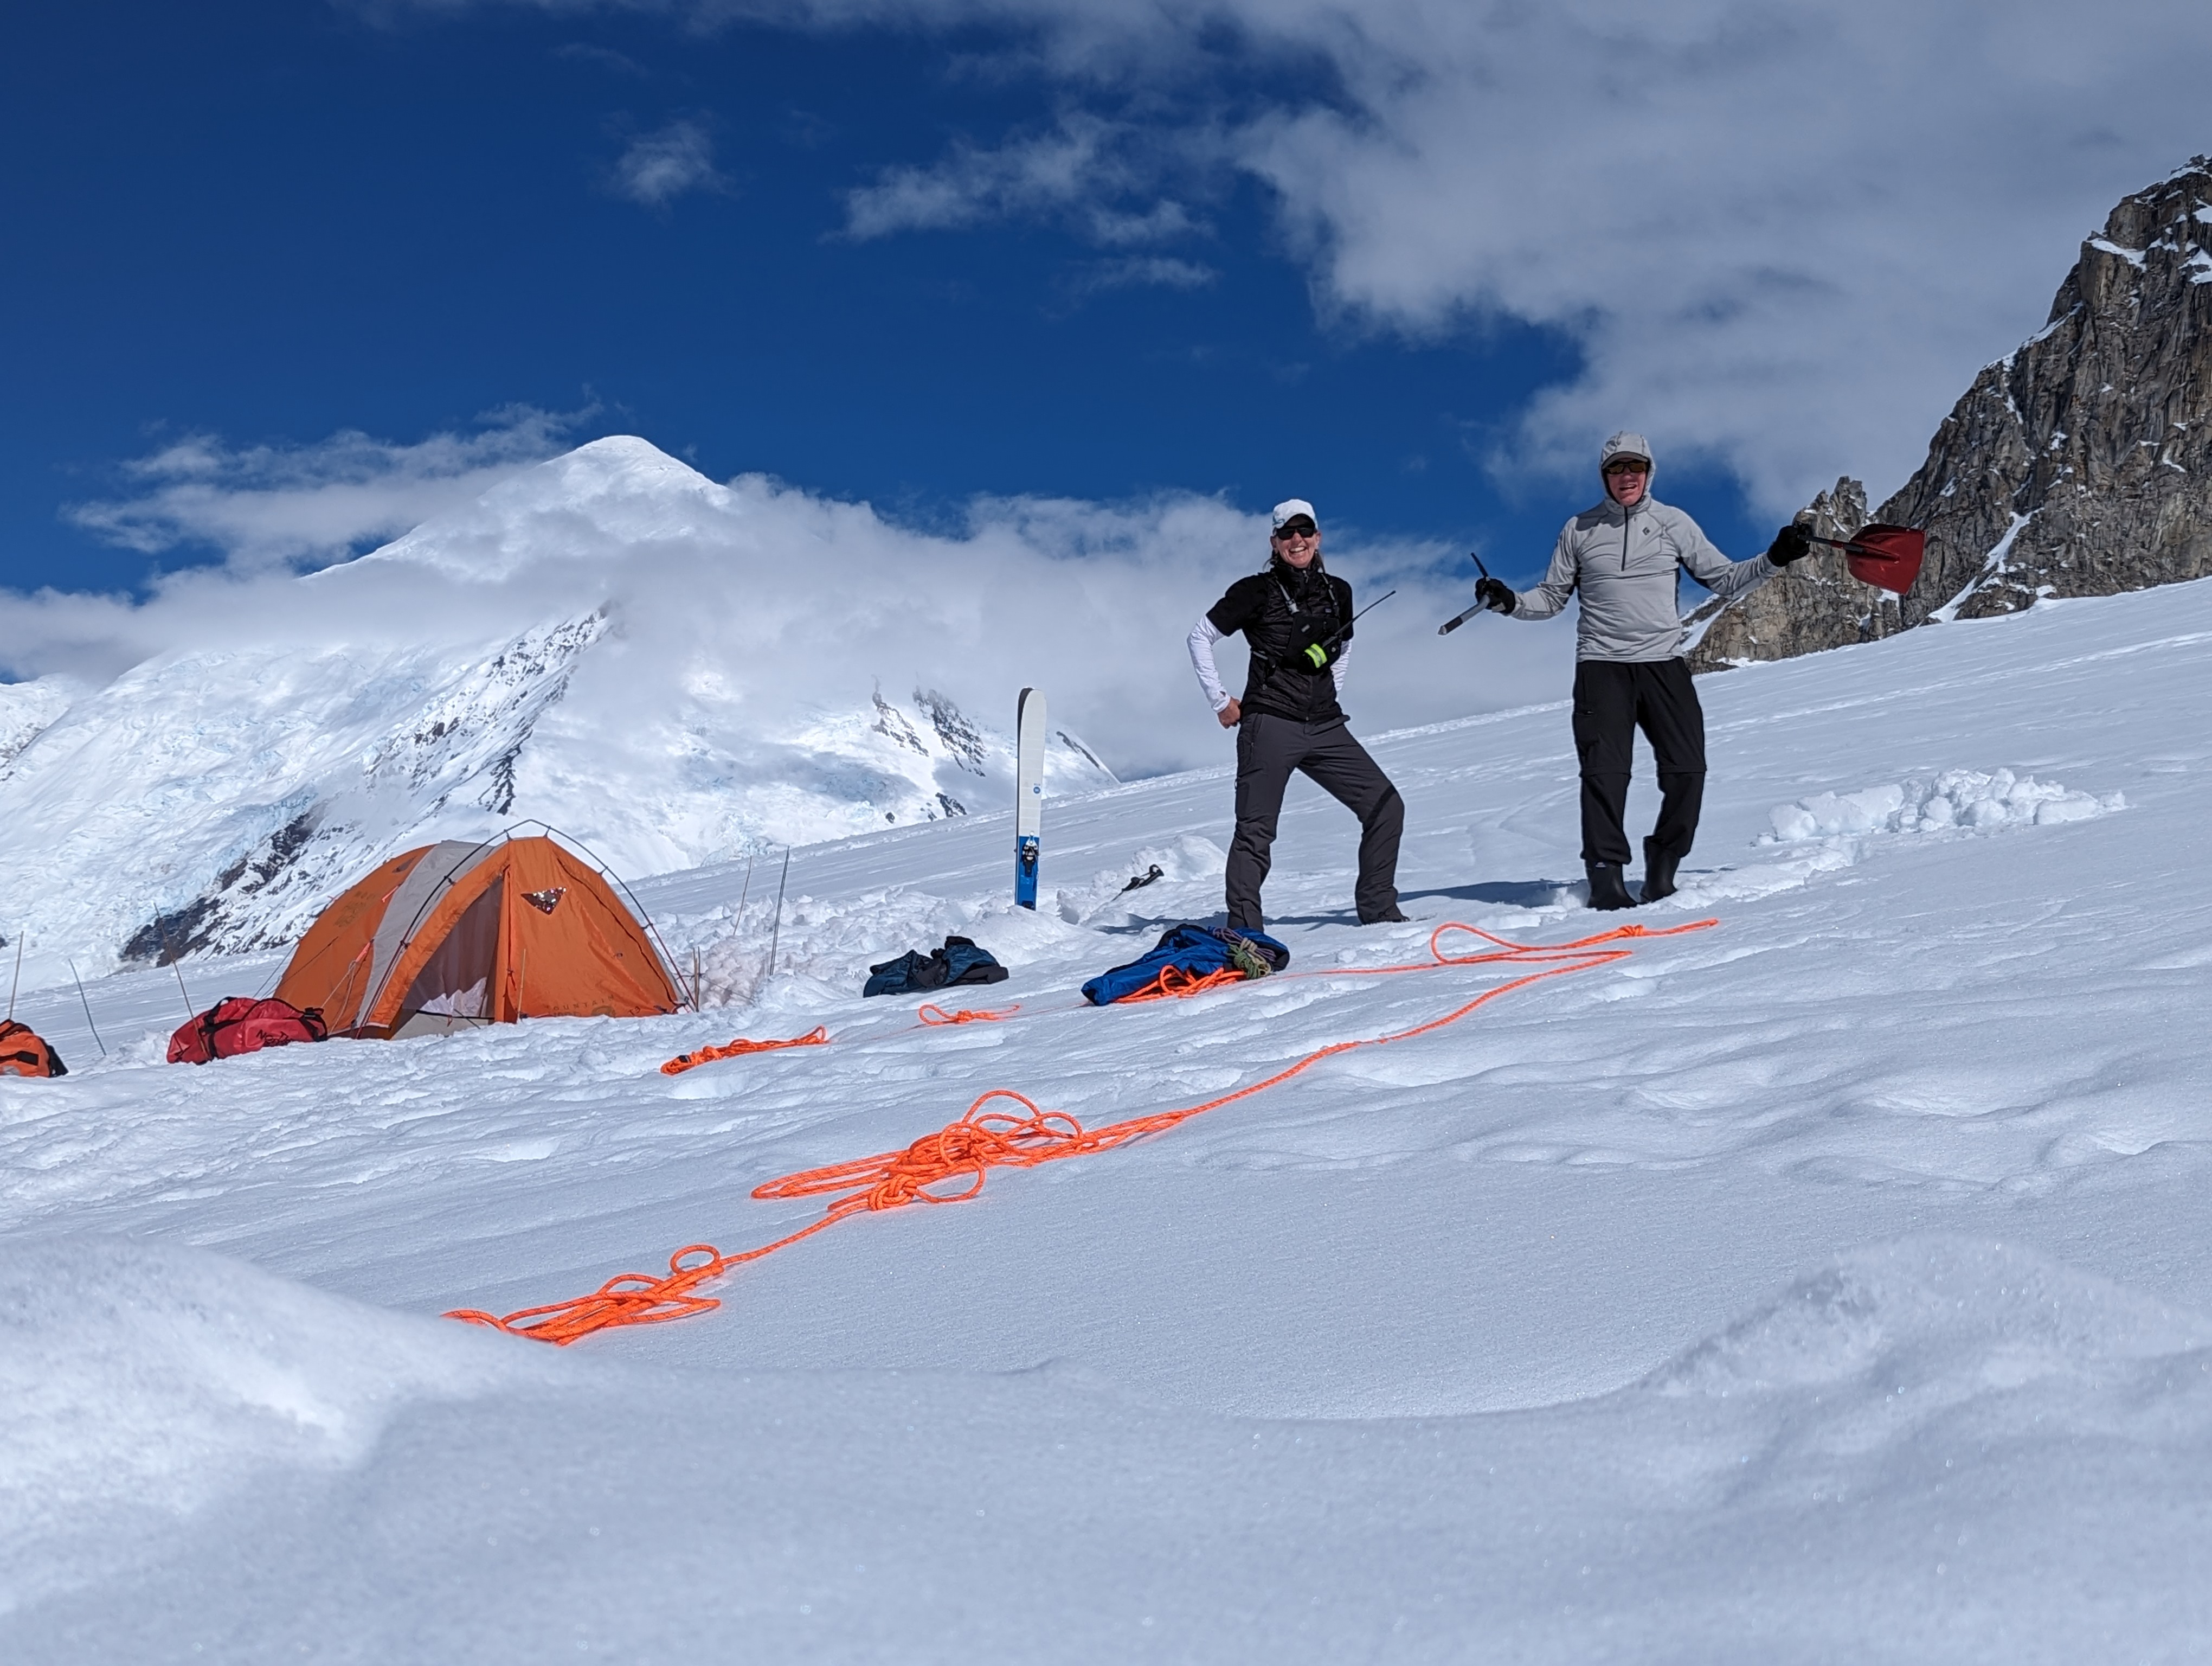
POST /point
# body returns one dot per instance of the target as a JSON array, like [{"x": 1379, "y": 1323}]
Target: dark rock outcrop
[{"x": 2079, "y": 465}]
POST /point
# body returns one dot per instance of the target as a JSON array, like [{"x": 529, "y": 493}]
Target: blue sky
[{"x": 917, "y": 252}]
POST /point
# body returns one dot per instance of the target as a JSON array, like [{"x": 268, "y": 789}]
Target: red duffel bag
[{"x": 240, "y": 1023}]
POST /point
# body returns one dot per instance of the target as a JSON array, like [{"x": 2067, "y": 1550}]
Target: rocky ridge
[{"x": 2078, "y": 464}]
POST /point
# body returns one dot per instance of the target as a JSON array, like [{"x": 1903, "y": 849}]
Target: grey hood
[{"x": 1627, "y": 443}]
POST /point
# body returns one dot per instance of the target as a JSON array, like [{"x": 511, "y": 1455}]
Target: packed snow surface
[{"x": 1829, "y": 1285}]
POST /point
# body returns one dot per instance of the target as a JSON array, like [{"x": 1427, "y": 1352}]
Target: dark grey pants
[
  {"x": 1611, "y": 702},
  {"x": 1269, "y": 748}
]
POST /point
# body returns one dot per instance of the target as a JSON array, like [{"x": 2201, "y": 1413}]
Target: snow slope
[{"x": 1831, "y": 1284}]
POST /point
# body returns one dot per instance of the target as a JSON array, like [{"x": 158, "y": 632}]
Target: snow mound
[
  {"x": 1935, "y": 1311},
  {"x": 1190, "y": 860},
  {"x": 823, "y": 948},
  {"x": 1966, "y": 799},
  {"x": 142, "y": 1381}
]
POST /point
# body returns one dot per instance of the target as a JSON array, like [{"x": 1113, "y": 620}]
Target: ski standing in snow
[
  {"x": 1296, "y": 620},
  {"x": 1028, "y": 794},
  {"x": 1624, "y": 555}
]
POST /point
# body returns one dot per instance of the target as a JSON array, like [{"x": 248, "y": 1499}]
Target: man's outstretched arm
[{"x": 1558, "y": 583}]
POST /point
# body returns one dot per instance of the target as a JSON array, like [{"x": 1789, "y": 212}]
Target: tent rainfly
[{"x": 455, "y": 936}]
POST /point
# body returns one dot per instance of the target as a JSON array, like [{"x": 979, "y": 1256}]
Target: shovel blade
[{"x": 1889, "y": 557}]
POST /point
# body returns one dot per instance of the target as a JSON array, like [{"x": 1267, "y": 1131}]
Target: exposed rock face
[{"x": 2080, "y": 465}]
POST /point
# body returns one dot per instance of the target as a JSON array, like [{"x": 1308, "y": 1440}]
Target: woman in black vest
[{"x": 1296, "y": 620}]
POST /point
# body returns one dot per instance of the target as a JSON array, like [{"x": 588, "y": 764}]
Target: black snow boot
[
  {"x": 1658, "y": 873},
  {"x": 1605, "y": 891}
]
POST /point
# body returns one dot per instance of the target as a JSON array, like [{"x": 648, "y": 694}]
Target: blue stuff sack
[{"x": 1195, "y": 950}]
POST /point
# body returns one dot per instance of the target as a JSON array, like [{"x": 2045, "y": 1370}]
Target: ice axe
[
  {"x": 1887, "y": 556},
  {"x": 1328, "y": 644},
  {"x": 1457, "y": 620}
]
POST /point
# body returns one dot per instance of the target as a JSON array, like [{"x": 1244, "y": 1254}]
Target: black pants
[
  {"x": 1269, "y": 748},
  {"x": 1611, "y": 702}
]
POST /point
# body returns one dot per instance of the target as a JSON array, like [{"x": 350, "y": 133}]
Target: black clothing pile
[{"x": 958, "y": 962}]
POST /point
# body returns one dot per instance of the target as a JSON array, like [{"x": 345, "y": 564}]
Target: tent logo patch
[{"x": 547, "y": 900}]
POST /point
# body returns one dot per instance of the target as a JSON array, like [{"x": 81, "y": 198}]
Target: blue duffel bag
[{"x": 1196, "y": 952}]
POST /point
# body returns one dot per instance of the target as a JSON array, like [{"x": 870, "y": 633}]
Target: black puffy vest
[{"x": 1298, "y": 608}]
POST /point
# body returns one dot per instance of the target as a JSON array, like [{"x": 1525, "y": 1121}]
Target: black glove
[
  {"x": 1493, "y": 594},
  {"x": 1792, "y": 542}
]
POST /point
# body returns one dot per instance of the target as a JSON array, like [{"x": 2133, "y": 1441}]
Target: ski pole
[
  {"x": 89, "y": 1024},
  {"x": 1457, "y": 620}
]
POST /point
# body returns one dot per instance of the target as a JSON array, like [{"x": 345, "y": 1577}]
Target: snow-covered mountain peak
[
  {"x": 673, "y": 670},
  {"x": 617, "y": 491}
]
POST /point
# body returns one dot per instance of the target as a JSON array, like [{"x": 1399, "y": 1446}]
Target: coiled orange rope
[
  {"x": 1176, "y": 984},
  {"x": 818, "y": 1037},
  {"x": 932, "y": 1014},
  {"x": 965, "y": 1150}
]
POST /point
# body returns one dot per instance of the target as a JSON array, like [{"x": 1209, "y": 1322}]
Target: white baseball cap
[{"x": 1289, "y": 509}]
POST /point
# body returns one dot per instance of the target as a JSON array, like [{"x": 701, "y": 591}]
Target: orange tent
[{"x": 456, "y": 935}]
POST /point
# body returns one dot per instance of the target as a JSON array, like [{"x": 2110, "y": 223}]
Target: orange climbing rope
[
  {"x": 931, "y": 1013},
  {"x": 965, "y": 1150},
  {"x": 818, "y": 1037},
  {"x": 1176, "y": 984}
]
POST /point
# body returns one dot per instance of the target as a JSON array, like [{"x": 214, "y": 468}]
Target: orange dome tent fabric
[{"x": 455, "y": 936}]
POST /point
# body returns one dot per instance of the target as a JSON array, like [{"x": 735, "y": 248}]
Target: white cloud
[
  {"x": 1143, "y": 271},
  {"x": 1082, "y": 172},
  {"x": 1784, "y": 236},
  {"x": 792, "y": 604},
  {"x": 292, "y": 506},
  {"x": 657, "y": 167}
]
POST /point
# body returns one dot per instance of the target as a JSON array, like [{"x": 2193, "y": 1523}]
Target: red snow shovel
[{"x": 1889, "y": 557}]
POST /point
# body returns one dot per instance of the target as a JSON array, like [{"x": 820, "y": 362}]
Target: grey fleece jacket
[{"x": 1624, "y": 562}]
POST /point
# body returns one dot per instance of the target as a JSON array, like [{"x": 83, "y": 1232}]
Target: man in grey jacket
[{"x": 1624, "y": 556}]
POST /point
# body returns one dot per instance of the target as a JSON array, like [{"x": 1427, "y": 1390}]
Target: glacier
[{"x": 1829, "y": 1284}]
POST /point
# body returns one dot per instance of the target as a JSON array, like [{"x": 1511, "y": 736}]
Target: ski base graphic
[{"x": 1028, "y": 794}]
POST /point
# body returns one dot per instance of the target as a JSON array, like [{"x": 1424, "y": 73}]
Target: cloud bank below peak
[{"x": 791, "y": 604}]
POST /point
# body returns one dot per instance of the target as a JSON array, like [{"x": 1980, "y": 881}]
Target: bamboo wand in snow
[
  {"x": 18, "y": 982},
  {"x": 89, "y": 1024},
  {"x": 160, "y": 932},
  {"x": 776, "y": 930}
]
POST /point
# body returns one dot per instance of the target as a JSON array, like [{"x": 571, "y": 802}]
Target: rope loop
[
  {"x": 1176, "y": 984},
  {"x": 931, "y": 1013},
  {"x": 818, "y": 1037}
]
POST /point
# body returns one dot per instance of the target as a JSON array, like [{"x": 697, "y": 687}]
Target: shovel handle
[
  {"x": 1452, "y": 624},
  {"x": 1849, "y": 547}
]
